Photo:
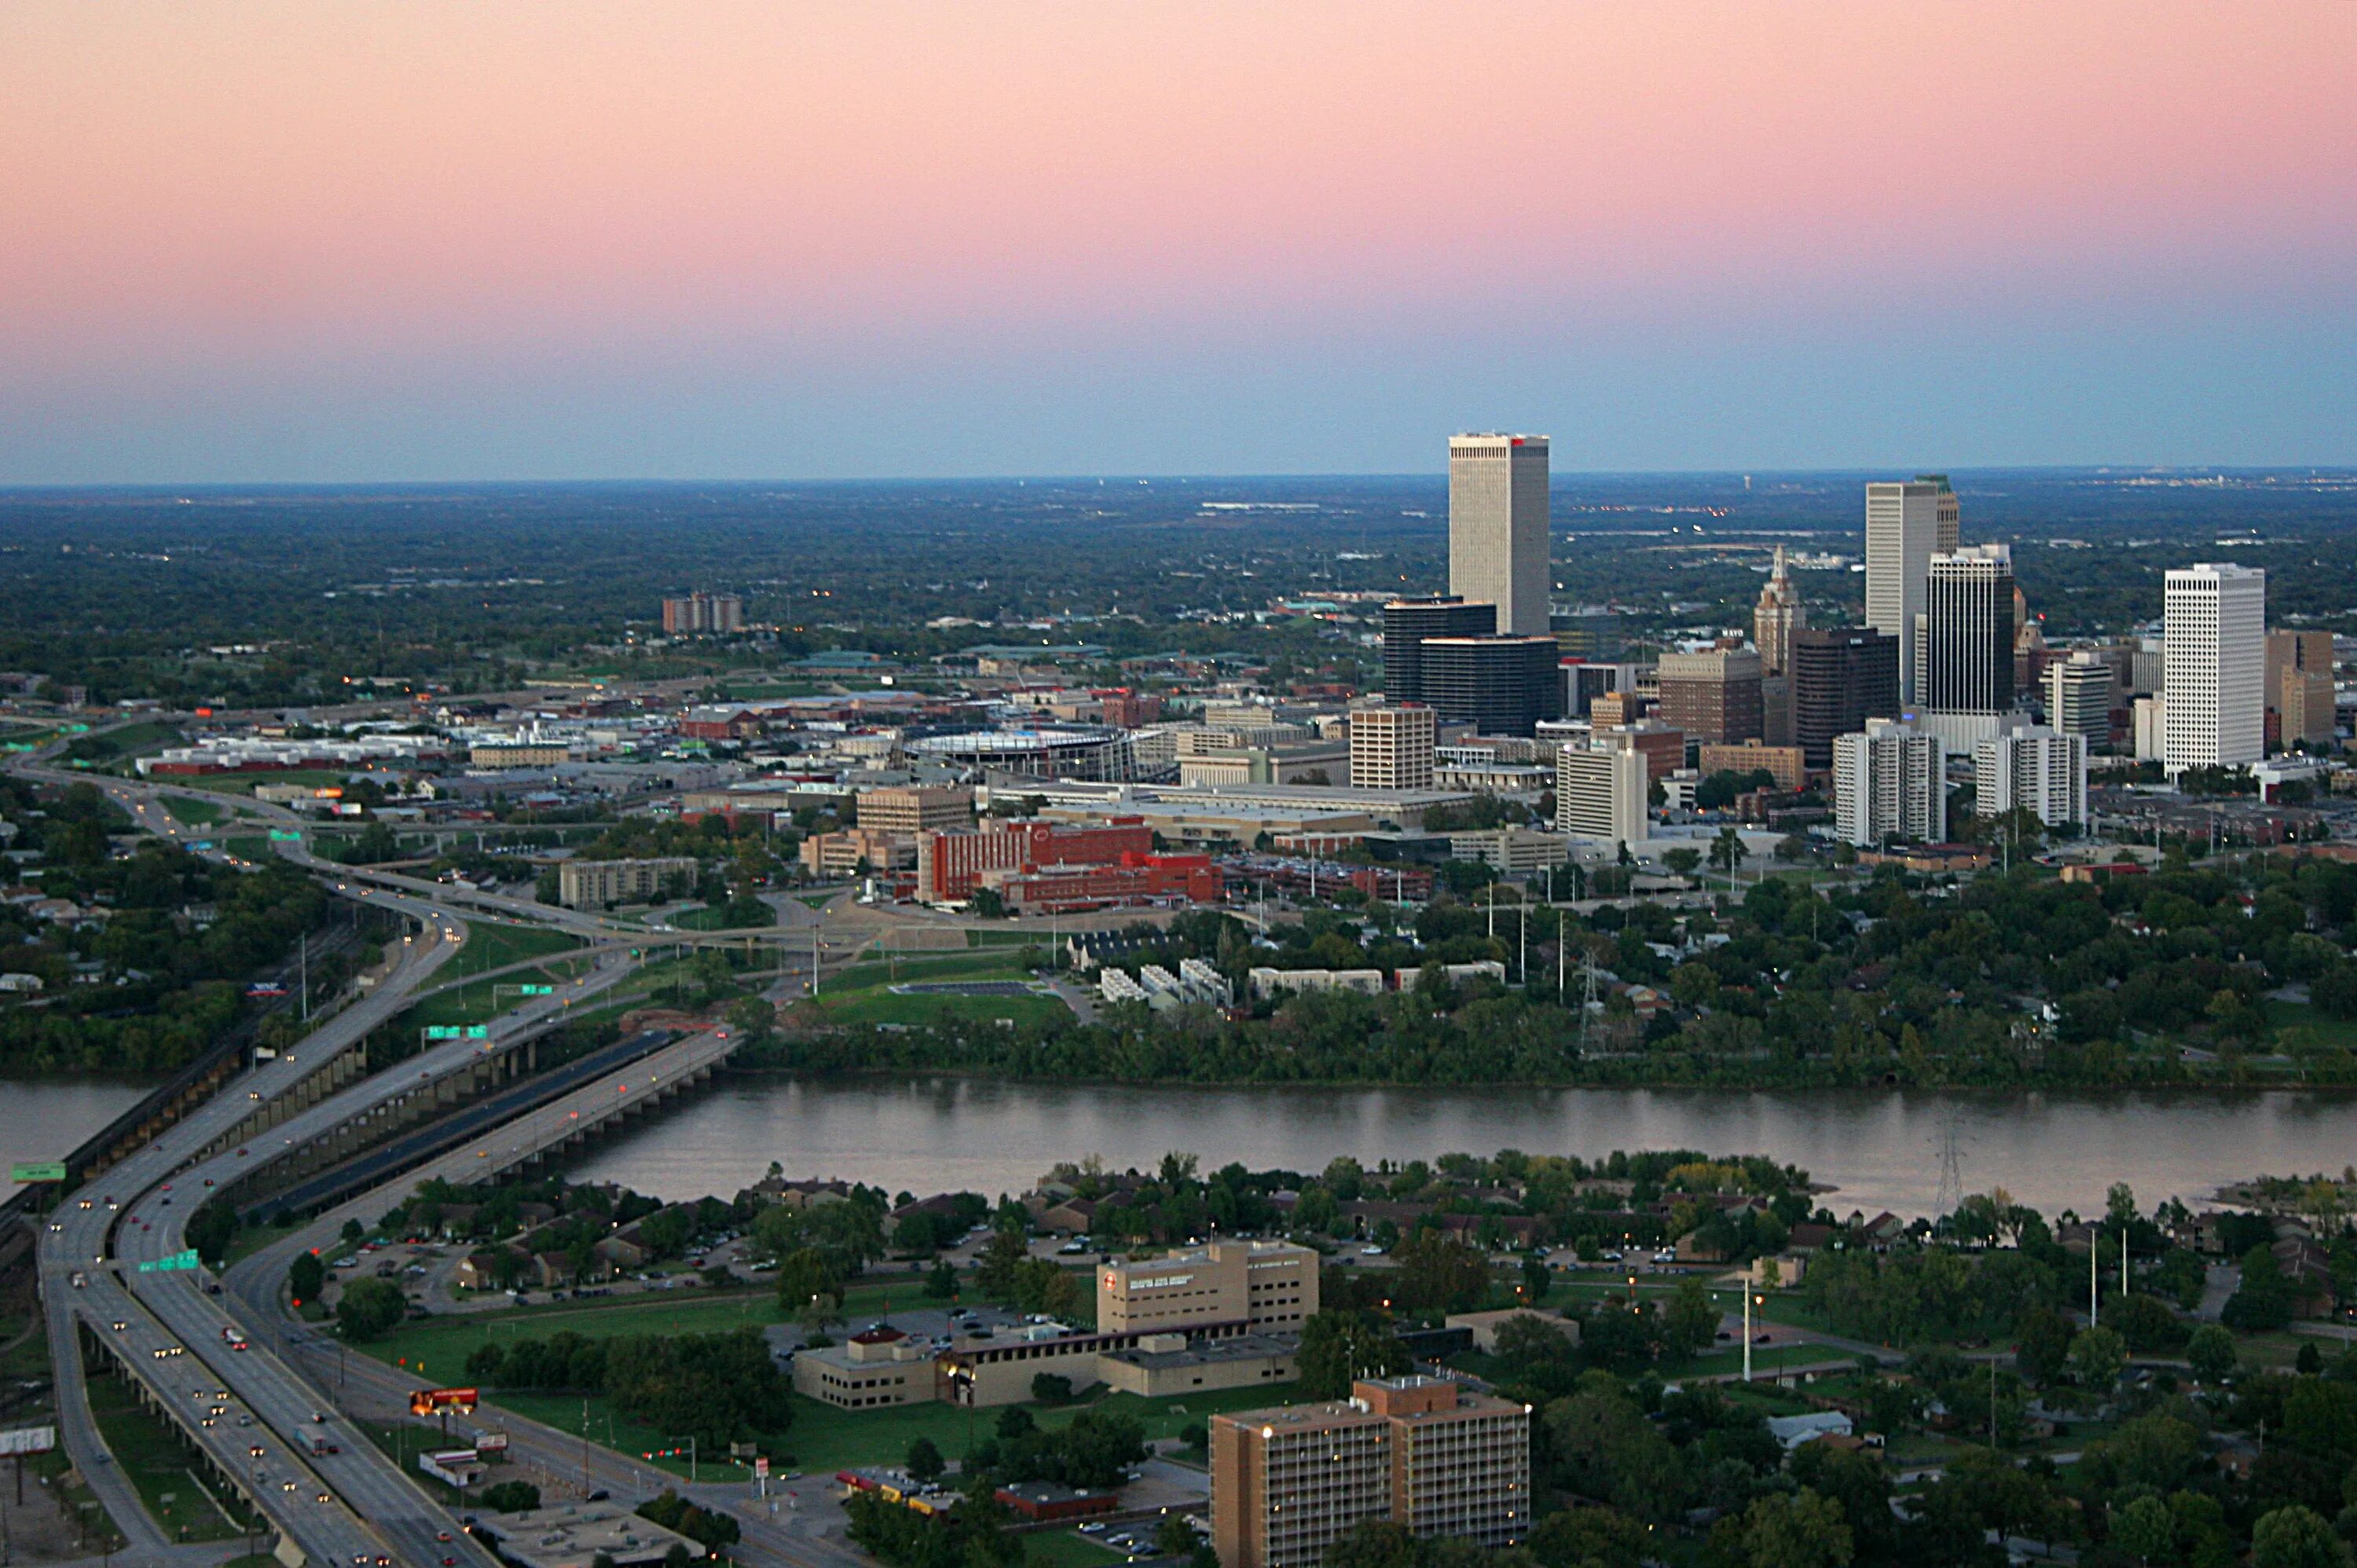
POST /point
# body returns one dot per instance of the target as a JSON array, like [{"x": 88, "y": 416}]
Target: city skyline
[{"x": 275, "y": 244}]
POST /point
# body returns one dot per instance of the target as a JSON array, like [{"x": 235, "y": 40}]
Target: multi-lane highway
[
  {"x": 244, "y": 1407},
  {"x": 172, "y": 1333},
  {"x": 209, "y": 1358}
]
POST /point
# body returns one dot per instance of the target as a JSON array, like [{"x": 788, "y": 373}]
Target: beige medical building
[
  {"x": 1266, "y": 1285},
  {"x": 1420, "y": 1452},
  {"x": 1497, "y": 528}
]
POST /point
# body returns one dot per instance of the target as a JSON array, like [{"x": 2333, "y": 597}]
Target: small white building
[{"x": 1791, "y": 1431}]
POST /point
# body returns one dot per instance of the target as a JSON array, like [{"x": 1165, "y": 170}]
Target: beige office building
[
  {"x": 2299, "y": 685},
  {"x": 1390, "y": 747},
  {"x": 916, "y": 811},
  {"x": 1498, "y": 527},
  {"x": 1599, "y": 796},
  {"x": 596, "y": 884},
  {"x": 1906, "y": 524},
  {"x": 1270, "y": 1285},
  {"x": 1422, "y": 1452}
]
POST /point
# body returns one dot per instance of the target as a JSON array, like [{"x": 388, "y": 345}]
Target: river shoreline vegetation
[
  {"x": 2015, "y": 980},
  {"x": 1994, "y": 1401}
]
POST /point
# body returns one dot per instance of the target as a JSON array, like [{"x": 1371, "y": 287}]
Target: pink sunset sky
[{"x": 378, "y": 240}]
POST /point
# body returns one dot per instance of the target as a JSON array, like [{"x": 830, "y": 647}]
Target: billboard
[
  {"x": 441, "y": 1401},
  {"x": 23, "y": 1440}
]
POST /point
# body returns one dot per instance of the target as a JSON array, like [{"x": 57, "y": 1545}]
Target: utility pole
[
  {"x": 1560, "y": 953},
  {"x": 2091, "y": 1283}
]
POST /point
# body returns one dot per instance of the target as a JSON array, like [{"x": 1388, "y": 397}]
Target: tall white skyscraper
[
  {"x": 1907, "y": 523},
  {"x": 2216, "y": 646},
  {"x": 1498, "y": 527}
]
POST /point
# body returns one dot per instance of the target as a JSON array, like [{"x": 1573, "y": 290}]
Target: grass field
[
  {"x": 863, "y": 993},
  {"x": 2332, "y": 1031},
  {"x": 159, "y": 1463},
  {"x": 244, "y": 783},
  {"x": 493, "y": 945},
  {"x": 196, "y": 813},
  {"x": 480, "y": 1001},
  {"x": 130, "y": 739},
  {"x": 710, "y": 920}
]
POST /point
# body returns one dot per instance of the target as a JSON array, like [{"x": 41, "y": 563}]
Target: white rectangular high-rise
[
  {"x": 2033, "y": 769},
  {"x": 1888, "y": 784},
  {"x": 1599, "y": 795},
  {"x": 2216, "y": 648},
  {"x": 1498, "y": 527},
  {"x": 1907, "y": 523}
]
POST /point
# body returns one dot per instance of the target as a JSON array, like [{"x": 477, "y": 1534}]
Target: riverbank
[{"x": 1879, "y": 1148}]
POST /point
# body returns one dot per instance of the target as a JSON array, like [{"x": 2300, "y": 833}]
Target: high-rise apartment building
[
  {"x": 2034, "y": 769},
  {"x": 1889, "y": 783},
  {"x": 1500, "y": 685},
  {"x": 2214, "y": 629},
  {"x": 1842, "y": 676},
  {"x": 1498, "y": 527},
  {"x": 699, "y": 613},
  {"x": 1714, "y": 696},
  {"x": 2300, "y": 686},
  {"x": 2079, "y": 696},
  {"x": 1391, "y": 747},
  {"x": 1907, "y": 523},
  {"x": 1422, "y": 1452},
  {"x": 1408, "y": 623},
  {"x": 1599, "y": 795}
]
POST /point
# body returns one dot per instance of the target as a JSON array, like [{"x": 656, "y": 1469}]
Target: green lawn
[
  {"x": 196, "y": 814},
  {"x": 492, "y": 944},
  {"x": 1066, "y": 1549},
  {"x": 479, "y": 1001},
  {"x": 863, "y": 993},
  {"x": 244, "y": 783},
  {"x": 160, "y": 1465},
  {"x": 710, "y": 918},
  {"x": 886, "y": 1008}
]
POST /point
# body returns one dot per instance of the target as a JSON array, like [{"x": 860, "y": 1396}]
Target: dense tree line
[
  {"x": 717, "y": 1387},
  {"x": 2003, "y": 981},
  {"x": 180, "y": 936}
]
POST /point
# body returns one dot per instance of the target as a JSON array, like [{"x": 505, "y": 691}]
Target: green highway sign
[
  {"x": 285, "y": 835},
  {"x": 167, "y": 1265},
  {"x": 479, "y": 1032},
  {"x": 38, "y": 1170},
  {"x": 442, "y": 1031},
  {"x": 537, "y": 989}
]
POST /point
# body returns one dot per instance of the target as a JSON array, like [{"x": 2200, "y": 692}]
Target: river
[
  {"x": 42, "y": 1118},
  {"x": 1882, "y": 1149}
]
